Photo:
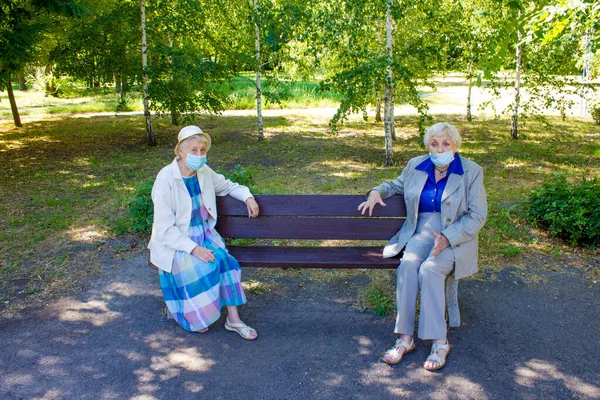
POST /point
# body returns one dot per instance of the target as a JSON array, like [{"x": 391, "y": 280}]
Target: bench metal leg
[{"x": 452, "y": 301}]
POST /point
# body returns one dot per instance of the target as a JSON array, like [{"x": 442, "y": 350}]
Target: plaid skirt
[{"x": 195, "y": 291}]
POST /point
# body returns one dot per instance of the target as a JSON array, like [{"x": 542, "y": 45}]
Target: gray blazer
[{"x": 464, "y": 211}]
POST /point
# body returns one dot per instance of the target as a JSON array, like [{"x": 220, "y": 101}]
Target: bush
[
  {"x": 594, "y": 109},
  {"x": 141, "y": 208},
  {"x": 243, "y": 176},
  {"x": 568, "y": 211}
]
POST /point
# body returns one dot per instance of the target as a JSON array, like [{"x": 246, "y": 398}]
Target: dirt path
[{"x": 518, "y": 341}]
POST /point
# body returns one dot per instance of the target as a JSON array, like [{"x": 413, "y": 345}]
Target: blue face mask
[
  {"x": 195, "y": 162},
  {"x": 441, "y": 159}
]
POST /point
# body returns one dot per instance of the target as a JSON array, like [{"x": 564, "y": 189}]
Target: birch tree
[
  {"x": 258, "y": 67},
  {"x": 388, "y": 113},
  {"x": 514, "y": 122},
  {"x": 358, "y": 65},
  {"x": 149, "y": 131}
]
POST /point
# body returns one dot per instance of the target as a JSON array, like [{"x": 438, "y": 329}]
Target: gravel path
[{"x": 518, "y": 341}]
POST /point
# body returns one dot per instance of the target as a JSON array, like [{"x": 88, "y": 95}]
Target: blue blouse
[{"x": 431, "y": 196}]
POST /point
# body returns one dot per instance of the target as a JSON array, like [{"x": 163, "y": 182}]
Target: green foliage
[
  {"x": 243, "y": 176},
  {"x": 569, "y": 211},
  {"x": 380, "y": 300},
  {"x": 141, "y": 208},
  {"x": 594, "y": 109}
]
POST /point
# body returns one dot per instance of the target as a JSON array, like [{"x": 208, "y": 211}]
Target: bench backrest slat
[
  {"x": 309, "y": 217},
  {"x": 310, "y": 205}
]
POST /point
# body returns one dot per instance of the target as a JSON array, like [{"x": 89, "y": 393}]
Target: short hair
[
  {"x": 200, "y": 138},
  {"x": 439, "y": 129}
]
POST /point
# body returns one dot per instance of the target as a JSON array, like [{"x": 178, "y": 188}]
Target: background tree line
[{"x": 373, "y": 53}]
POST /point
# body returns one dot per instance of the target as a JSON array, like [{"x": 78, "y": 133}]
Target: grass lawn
[
  {"x": 67, "y": 182},
  {"x": 240, "y": 94}
]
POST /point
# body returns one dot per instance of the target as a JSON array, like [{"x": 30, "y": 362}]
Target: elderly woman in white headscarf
[
  {"x": 446, "y": 207},
  {"x": 198, "y": 276}
]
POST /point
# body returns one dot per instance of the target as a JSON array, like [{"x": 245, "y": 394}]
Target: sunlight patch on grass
[{"x": 87, "y": 234}]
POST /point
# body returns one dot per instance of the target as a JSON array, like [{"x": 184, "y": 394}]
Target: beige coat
[
  {"x": 463, "y": 209},
  {"x": 173, "y": 210}
]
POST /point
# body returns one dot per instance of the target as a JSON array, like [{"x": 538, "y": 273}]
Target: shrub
[
  {"x": 594, "y": 109},
  {"x": 243, "y": 176},
  {"x": 569, "y": 211},
  {"x": 141, "y": 208}
]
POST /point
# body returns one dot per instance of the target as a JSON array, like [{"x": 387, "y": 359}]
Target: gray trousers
[{"x": 418, "y": 270}]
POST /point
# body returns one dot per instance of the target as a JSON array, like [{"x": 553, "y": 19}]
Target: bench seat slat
[
  {"x": 312, "y": 257},
  {"x": 315, "y": 205},
  {"x": 309, "y": 228}
]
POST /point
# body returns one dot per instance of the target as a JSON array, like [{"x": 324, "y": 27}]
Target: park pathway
[{"x": 519, "y": 340}]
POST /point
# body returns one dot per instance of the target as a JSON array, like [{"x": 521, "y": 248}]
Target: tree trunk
[
  {"x": 469, "y": 115},
  {"x": 22, "y": 83},
  {"x": 13, "y": 103},
  {"x": 514, "y": 124},
  {"x": 258, "y": 67},
  {"x": 378, "y": 110},
  {"x": 149, "y": 131},
  {"x": 388, "y": 96}
]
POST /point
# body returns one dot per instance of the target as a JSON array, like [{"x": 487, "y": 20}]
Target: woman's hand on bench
[
  {"x": 374, "y": 199},
  {"x": 252, "y": 207}
]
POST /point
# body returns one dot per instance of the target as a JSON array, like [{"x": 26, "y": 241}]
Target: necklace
[{"x": 442, "y": 172}]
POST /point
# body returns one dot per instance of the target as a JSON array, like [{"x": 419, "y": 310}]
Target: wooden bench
[{"x": 318, "y": 217}]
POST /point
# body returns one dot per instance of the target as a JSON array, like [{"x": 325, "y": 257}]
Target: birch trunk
[
  {"x": 13, "y": 103},
  {"x": 149, "y": 131},
  {"x": 258, "y": 67},
  {"x": 388, "y": 96},
  {"x": 514, "y": 124},
  {"x": 469, "y": 115},
  {"x": 174, "y": 111}
]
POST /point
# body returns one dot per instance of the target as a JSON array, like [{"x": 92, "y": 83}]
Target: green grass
[
  {"x": 240, "y": 92},
  {"x": 66, "y": 182}
]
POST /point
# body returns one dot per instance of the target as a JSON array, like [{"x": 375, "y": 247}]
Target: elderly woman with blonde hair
[
  {"x": 446, "y": 207},
  {"x": 198, "y": 276}
]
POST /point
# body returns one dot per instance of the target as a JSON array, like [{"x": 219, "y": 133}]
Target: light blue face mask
[
  {"x": 195, "y": 162},
  {"x": 441, "y": 159}
]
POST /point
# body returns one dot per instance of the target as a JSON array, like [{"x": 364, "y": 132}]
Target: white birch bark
[
  {"x": 149, "y": 131},
  {"x": 514, "y": 124},
  {"x": 388, "y": 96},
  {"x": 469, "y": 115},
  {"x": 258, "y": 67}
]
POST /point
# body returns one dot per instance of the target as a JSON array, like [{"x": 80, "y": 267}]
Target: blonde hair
[
  {"x": 439, "y": 129},
  {"x": 200, "y": 138}
]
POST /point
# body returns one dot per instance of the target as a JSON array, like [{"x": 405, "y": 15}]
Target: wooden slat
[
  {"x": 309, "y": 228},
  {"x": 312, "y": 257},
  {"x": 311, "y": 205}
]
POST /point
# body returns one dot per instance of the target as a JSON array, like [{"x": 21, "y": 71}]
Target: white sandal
[
  {"x": 435, "y": 348},
  {"x": 393, "y": 356},
  {"x": 241, "y": 329}
]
